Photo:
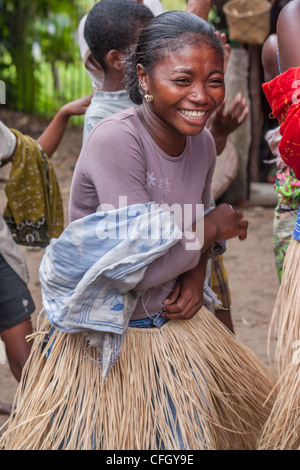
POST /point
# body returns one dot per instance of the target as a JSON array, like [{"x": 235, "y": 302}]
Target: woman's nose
[{"x": 199, "y": 95}]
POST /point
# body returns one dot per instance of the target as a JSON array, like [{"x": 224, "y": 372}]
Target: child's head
[
  {"x": 114, "y": 24},
  {"x": 163, "y": 35}
]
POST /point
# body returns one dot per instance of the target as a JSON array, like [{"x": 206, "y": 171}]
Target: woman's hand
[
  {"x": 221, "y": 223},
  {"x": 225, "y": 121},
  {"x": 229, "y": 222},
  {"x": 186, "y": 299}
]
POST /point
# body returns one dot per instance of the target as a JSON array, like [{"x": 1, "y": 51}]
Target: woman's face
[{"x": 187, "y": 87}]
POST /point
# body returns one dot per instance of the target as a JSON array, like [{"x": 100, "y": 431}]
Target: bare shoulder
[
  {"x": 269, "y": 57},
  {"x": 288, "y": 35}
]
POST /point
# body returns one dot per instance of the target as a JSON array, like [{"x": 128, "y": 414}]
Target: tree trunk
[
  {"x": 22, "y": 57},
  {"x": 237, "y": 81},
  {"x": 55, "y": 75},
  {"x": 257, "y": 118}
]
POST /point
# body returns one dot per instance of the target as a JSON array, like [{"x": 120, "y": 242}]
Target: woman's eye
[
  {"x": 182, "y": 80},
  {"x": 217, "y": 79},
  {"x": 216, "y": 82}
]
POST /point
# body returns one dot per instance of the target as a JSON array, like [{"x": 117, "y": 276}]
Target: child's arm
[
  {"x": 199, "y": 7},
  {"x": 52, "y": 136}
]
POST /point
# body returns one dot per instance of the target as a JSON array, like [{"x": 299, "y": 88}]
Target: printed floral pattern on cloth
[{"x": 34, "y": 211}]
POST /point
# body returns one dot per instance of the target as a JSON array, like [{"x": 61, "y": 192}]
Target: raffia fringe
[
  {"x": 285, "y": 321},
  {"x": 282, "y": 429},
  {"x": 217, "y": 385}
]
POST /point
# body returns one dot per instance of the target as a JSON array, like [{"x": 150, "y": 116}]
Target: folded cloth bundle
[
  {"x": 89, "y": 273},
  {"x": 34, "y": 211}
]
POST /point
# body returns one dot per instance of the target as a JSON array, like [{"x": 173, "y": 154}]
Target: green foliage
[
  {"x": 31, "y": 33},
  {"x": 215, "y": 15},
  {"x": 174, "y": 4},
  {"x": 40, "y": 61},
  {"x": 74, "y": 83}
]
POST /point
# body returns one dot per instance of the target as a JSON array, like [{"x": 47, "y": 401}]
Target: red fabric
[{"x": 283, "y": 95}]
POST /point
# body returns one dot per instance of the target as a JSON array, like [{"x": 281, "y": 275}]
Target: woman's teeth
[{"x": 193, "y": 114}]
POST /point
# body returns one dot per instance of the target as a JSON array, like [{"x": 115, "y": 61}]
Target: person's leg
[
  {"x": 220, "y": 286},
  {"x": 17, "y": 347},
  {"x": 16, "y": 307},
  {"x": 225, "y": 317},
  {"x": 283, "y": 227}
]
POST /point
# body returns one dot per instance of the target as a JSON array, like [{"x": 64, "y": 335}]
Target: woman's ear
[{"x": 142, "y": 77}]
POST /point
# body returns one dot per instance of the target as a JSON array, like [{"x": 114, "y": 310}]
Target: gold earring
[{"x": 148, "y": 97}]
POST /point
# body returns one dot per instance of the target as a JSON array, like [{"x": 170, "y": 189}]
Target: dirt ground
[{"x": 250, "y": 264}]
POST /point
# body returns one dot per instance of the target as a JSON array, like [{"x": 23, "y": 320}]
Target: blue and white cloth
[
  {"x": 296, "y": 232},
  {"x": 88, "y": 275}
]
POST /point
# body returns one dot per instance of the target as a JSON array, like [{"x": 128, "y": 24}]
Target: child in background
[{"x": 109, "y": 32}]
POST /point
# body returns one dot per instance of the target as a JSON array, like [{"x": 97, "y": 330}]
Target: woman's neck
[{"x": 163, "y": 135}]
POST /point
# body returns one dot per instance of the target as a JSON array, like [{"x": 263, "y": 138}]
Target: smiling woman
[{"x": 173, "y": 377}]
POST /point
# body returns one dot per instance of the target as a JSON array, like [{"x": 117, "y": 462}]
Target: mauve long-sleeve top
[{"x": 121, "y": 164}]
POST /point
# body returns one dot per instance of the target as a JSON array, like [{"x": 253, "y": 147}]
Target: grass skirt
[
  {"x": 282, "y": 429},
  {"x": 216, "y": 385},
  {"x": 285, "y": 322}
]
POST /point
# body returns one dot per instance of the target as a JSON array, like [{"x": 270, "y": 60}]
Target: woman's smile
[{"x": 193, "y": 115}]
